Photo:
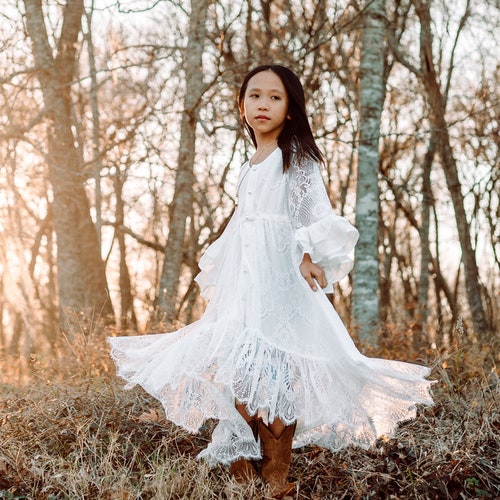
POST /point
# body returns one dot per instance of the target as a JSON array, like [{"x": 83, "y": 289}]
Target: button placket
[
  {"x": 251, "y": 189},
  {"x": 246, "y": 241}
]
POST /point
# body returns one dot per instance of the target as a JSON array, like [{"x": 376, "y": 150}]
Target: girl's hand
[{"x": 311, "y": 271}]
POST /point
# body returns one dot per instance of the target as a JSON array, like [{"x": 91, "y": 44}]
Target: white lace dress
[{"x": 268, "y": 340}]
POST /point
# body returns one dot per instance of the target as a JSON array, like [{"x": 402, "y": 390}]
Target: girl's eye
[
  {"x": 254, "y": 95},
  {"x": 276, "y": 98}
]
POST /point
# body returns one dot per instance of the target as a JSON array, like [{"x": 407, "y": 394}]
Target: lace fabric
[
  {"x": 266, "y": 339},
  {"x": 307, "y": 200}
]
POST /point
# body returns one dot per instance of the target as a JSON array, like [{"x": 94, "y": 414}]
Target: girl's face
[{"x": 265, "y": 105}]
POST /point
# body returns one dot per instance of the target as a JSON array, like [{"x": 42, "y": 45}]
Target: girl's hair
[{"x": 296, "y": 139}]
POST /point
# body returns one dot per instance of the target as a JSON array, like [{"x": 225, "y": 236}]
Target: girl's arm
[
  {"x": 311, "y": 271},
  {"x": 323, "y": 239}
]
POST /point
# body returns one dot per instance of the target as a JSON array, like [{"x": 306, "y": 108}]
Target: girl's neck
[
  {"x": 265, "y": 142},
  {"x": 264, "y": 149}
]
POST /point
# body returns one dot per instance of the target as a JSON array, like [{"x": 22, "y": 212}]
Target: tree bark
[
  {"x": 437, "y": 106},
  {"x": 3, "y": 339},
  {"x": 80, "y": 270},
  {"x": 385, "y": 276},
  {"x": 128, "y": 318},
  {"x": 182, "y": 204},
  {"x": 425, "y": 250},
  {"x": 96, "y": 126},
  {"x": 372, "y": 92}
]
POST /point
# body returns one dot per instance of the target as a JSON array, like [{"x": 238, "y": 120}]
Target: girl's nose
[{"x": 263, "y": 104}]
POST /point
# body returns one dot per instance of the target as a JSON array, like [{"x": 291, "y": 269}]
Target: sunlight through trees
[{"x": 120, "y": 145}]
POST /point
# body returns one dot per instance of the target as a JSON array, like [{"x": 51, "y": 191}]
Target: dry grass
[{"x": 68, "y": 431}]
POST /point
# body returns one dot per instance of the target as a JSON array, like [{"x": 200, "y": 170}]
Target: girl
[{"x": 270, "y": 359}]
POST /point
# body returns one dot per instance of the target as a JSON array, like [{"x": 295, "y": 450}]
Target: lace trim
[{"x": 335, "y": 404}]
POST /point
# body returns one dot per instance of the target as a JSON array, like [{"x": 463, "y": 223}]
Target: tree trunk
[
  {"x": 425, "y": 250},
  {"x": 128, "y": 318},
  {"x": 182, "y": 203},
  {"x": 96, "y": 127},
  {"x": 437, "y": 106},
  {"x": 80, "y": 270},
  {"x": 365, "y": 290},
  {"x": 385, "y": 281},
  {"x": 441, "y": 283},
  {"x": 3, "y": 338}
]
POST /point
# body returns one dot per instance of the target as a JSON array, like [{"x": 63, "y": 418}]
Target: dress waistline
[{"x": 265, "y": 217}]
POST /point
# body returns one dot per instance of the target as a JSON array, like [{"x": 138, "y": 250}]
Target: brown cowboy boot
[
  {"x": 276, "y": 457},
  {"x": 244, "y": 470}
]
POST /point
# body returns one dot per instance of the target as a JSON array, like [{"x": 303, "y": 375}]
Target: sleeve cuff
[{"x": 329, "y": 241}]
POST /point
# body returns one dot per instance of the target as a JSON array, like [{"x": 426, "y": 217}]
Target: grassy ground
[{"x": 68, "y": 431}]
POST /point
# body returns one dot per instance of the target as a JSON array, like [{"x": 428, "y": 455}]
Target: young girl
[{"x": 270, "y": 359}]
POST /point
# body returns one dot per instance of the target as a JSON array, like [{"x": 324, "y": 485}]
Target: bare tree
[
  {"x": 81, "y": 275},
  {"x": 128, "y": 101},
  {"x": 372, "y": 93},
  {"x": 128, "y": 319},
  {"x": 182, "y": 204},
  {"x": 425, "y": 255},
  {"x": 437, "y": 106}
]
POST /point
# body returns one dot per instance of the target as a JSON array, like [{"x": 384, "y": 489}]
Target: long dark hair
[{"x": 296, "y": 139}]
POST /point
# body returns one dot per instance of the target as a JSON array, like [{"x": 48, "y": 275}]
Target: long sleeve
[{"x": 328, "y": 238}]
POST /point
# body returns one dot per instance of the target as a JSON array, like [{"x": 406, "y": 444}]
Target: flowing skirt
[{"x": 267, "y": 340}]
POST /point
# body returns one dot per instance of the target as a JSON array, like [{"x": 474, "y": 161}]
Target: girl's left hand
[{"x": 311, "y": 271}]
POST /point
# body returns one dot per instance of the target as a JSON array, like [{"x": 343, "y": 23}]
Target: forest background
[{"x": 120, "y": 147}]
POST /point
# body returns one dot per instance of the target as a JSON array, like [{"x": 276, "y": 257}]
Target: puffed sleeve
[{"x": 328, "y": 238}]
